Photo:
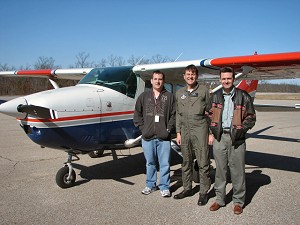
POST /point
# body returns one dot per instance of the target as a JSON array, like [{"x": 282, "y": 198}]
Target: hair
[
  {"x": 193, "y": 68},
  {"x": 227, "y": 70},
  {"x": 158, "y": 72}
]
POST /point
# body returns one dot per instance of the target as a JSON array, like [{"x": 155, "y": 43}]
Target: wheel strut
[
  {"x": 66, "y": 176},
  {"x": 69, "y": 164}
]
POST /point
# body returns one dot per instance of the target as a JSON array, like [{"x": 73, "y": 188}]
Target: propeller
[{"x": 39, "y": 111}]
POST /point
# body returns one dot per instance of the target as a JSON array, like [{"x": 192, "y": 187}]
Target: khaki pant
[
  {"x": 195, "y": 143},
  {"x": 226, "y": 155}
]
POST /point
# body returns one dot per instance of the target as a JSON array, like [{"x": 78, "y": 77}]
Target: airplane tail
[{"x": 250, "y": 86}]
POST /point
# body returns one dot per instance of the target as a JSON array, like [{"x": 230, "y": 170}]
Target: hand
[
  {"x": 211, "y": 139},
  {"x": 178, "y": 138}
]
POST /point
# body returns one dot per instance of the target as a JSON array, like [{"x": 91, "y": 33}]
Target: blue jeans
[{"x": 161, "y": 150}]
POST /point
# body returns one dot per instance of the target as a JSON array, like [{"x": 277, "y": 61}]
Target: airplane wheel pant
[{"x": 194, "y": 142}]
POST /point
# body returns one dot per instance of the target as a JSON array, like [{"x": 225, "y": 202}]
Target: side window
[
  {"x": 178, "y": 86},
  {"x": 148, "y": 85},
  {"x": 169, "y": 87},
  {"x": 131, "y": 84}
]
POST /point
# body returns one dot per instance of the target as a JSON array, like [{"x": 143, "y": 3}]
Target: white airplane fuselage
[{"x": 86, "y": 117}]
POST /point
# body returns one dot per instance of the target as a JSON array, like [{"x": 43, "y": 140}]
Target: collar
[
  {"x": 231, "y": 93},
  {"x": 195, "y": 88}
]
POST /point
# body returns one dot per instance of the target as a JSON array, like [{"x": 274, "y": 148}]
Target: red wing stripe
[
  {"x": 35, "y": 72},
  {"x": 280, "y": 59}
]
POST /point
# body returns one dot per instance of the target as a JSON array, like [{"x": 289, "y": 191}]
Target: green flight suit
[{"x": 191, "y": 122}]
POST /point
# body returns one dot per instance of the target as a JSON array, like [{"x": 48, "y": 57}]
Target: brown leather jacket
[{"x": 244, "y": 116}]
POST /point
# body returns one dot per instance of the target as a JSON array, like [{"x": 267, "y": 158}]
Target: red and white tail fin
[{"x": 250, "y": 86}]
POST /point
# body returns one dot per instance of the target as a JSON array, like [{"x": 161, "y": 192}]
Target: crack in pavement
[{"x": 26, "y": 161}]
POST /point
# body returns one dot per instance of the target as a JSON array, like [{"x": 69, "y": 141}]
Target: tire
[
  {"x": 61, "y": 178},
  {"x": 96, "y": 153}
]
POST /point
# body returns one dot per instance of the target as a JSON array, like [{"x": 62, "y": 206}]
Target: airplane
[{"x": 97, "y": 113}]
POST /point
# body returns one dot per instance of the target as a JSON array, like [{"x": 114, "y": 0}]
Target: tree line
[
  {"x": 83, "y": 61},
  {"x": 29, "y": 85}
]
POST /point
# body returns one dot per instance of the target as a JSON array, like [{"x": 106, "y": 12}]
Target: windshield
[{"x": 120, "y": 79}]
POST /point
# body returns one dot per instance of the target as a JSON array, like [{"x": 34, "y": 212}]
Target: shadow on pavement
[{"x": 119, "y": 168}]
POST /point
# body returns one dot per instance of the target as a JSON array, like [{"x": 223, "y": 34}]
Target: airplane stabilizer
[
  {"x": 276, "y": 108},
  {"x": 250, "y": 86}
]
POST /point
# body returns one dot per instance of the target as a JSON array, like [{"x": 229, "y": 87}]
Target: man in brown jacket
[{"x": 232, "y": 114}]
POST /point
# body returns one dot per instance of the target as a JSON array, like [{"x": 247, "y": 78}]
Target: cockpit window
[{"x": 120, "y": 79}]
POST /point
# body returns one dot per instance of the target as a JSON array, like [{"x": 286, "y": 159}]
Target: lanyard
[{"x": 156, "y": 102}]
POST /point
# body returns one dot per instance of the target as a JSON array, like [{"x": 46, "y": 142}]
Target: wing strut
[{"x": 54, "y": 84}]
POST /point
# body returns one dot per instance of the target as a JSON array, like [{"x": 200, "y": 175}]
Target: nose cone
[{"x": 10, "y": 108}]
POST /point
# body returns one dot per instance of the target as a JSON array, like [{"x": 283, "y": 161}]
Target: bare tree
[
  {"x": 26, "y": 67},
  {"x": 113, "y": 60},
  {"x": 102, "y": 63},
  {"x": 120, "y": 61},
  {"x": 6, "y": 67},
  {"x": 160, "y": 59},
  {"x": 137, "y": 60},
  {"x": 82, "y": 62},
  {"x": 45, "y": 63}
]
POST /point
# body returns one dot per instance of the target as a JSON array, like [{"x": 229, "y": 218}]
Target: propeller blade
[{"x": 39, "y": 111}]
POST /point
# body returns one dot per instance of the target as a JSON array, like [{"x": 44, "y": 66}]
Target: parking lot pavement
[{"x": 108, "y": 189}]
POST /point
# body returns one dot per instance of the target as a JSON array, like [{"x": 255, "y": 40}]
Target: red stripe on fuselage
[{"x": 70, "y": 118}]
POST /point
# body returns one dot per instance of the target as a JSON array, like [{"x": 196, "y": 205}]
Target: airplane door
[{"x": 100, "y": 93}]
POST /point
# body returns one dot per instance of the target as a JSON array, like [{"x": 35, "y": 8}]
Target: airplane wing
[
  {"x": 251, "y": 67},
  {"x": 256, "y": 67},
  {"x": 75, "y": 74}
]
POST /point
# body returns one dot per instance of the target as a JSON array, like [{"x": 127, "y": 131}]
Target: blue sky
[{"x": 199, "y": 29}]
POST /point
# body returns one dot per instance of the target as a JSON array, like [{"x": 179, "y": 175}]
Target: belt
[{"x": 226, "y": 131}]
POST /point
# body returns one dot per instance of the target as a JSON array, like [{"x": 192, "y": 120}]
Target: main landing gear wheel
[
  {"x": 96, "y": 153},
  {"x": 63, "y": 179}
]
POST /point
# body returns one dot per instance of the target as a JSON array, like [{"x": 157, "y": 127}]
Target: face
[
  {"x": 226, "y": 79},
  {"x": 157, "y": 81},
  {"x": 190, "y": 77}
]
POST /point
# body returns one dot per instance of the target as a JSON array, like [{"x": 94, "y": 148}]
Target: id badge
[{"x": 156, "y": 120}]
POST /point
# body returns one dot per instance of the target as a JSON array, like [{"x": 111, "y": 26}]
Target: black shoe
[
  {"x": 203, "y": 199},
  {"x": 183, "y": 194}
]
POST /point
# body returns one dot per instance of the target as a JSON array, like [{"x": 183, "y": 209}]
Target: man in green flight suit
[{"x": 192, "y": 133}]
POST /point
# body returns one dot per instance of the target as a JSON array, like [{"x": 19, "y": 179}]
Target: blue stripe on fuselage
[{"x": 85, "y": 137}]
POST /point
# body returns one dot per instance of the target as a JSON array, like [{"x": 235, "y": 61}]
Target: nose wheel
[{"x": 66, "y": 176}]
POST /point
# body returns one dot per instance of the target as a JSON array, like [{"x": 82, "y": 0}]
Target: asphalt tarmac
[{"x": 108, "y": 189}]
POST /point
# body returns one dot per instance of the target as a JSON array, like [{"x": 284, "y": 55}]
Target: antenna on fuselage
[
  {"x": 140, "y": 60},
  {"x": 178, "y": 57}
]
